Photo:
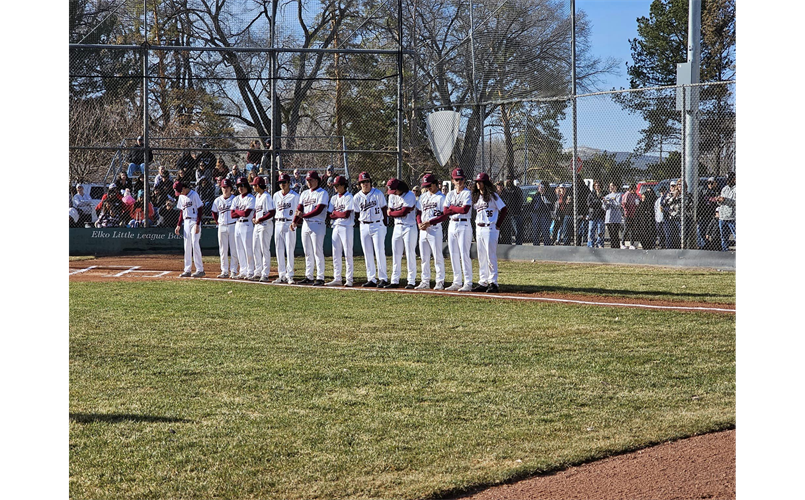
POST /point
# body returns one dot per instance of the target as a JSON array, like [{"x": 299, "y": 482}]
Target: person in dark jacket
[
  {"x": 646, "y": 227},
  {"x": 712, "y": 235},
  {"x": 596, "y": 215},
  {"x": 541, "y": 209},
  {"x": 512, "y": 196},
  {"x": 581, "y": 209},
  {"x": 708, "y": 202}
]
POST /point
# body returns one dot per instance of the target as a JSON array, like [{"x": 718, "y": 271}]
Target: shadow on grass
[
  {"x": 113, "y": 418},
  {"x": 727, "y": 298}
]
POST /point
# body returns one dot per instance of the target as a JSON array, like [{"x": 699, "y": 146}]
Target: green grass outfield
[{"x": 206, "y": 389}]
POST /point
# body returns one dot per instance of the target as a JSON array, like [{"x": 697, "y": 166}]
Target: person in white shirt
[
  {"x": 189, "y": 205},
  {"x": 242, "y": 209},
  {"x": 263, "y": 229},
  {"x": 227, "y": 248},
  {"x": 343, "y": 223},
  {"x": 489, "y": 214},
  {"x": 457, "y": 206},
  {"x": 285, "y": 201},
  {"x": 429, "y": 206},
  {"x": 370, "y": 204},
  {"x": 83, "y": 204},
  {"x": 402, "y": 207},
  {"x": 312, "y": 210}
]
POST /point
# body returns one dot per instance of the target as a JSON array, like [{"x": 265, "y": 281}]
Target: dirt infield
[{"x": 694, "y": 468}]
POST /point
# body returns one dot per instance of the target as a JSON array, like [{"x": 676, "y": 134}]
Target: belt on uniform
[
  {"x": 243, "y": 220},
  {"x": 481, "y": 224},
  {"x": 369, "y": 222},
  {"x": 282, "y": 220},
  {"x": 459, "y": 220}
]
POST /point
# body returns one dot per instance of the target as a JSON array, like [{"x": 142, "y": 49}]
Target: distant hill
[{"x": 641, "y": 162}]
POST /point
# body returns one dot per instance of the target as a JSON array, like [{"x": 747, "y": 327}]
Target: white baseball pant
[
  {"x": 192, "y": 247},
  {"x": 430, "y": 243},
  {"x": 244, "y": 235},
  {"x": 459, "y": 239},
  {"x": 284, "y": 246},
  {"x": 262, "y": 248},
  {"x": 403, "y": 240},
  {"x": 313, "y": 244},
  {"x": 487, "y": 239},
  {"x": 343, "y": 237},
  {"x": 227, "y": 246},
  {"x": 373, "y": 242}
]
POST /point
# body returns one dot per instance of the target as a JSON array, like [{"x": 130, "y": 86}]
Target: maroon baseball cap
[
  {"x": 284, "y": 178},
  {"x": 242, "y": 181},
  {"x": 458, "y": 173},
  {"x": 259, "y": 181},
  {"x": 177, "y": 187},
  {"x": 312, "y": 174},
  {"x": 364, "y": 176},
  {"x": 482, "y": 177},
  {"x": 428, "y": 180},
  {"x": 226, "y": 183},
  {"x": 393, "y": 184},
  {"x": 340, "y": 179}
]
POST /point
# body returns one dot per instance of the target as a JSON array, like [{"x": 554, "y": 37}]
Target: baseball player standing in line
[
  {"x": 372, "y": 214},
  {"x": 429, "y": 206},
  {"x": 285, "y": 202},
  {"x": 263, "y": 229},
  {"x": 457, "y": 205},
  {"x": 312, "y": 209},
  {"x": 402, "y": 206},
  {"x": 242, "y": 208},
  {"x": 189, "y": 204},
  {"x": 226, "y": 230},
  {"x": 343, "y": 223},
  {"x": 489, "y": 214}
]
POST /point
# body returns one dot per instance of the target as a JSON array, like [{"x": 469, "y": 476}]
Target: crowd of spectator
[{"x": 628, "y": 219}]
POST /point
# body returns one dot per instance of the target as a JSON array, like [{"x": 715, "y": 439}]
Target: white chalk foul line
[
  {"x": 127, "y": 271},
  {"x": 82, "y": 270}
]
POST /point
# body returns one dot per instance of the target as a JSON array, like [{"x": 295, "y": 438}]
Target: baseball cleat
[
  {"x": 223, "y": 275},
  {"x": 198, "y": 274},
  {"x": 409, "y": 286},
  {"x": 370, "y": 284},
  {"x": 348, "y": 283},
  {"x": 466, "y": 288},
  {"x": 233, "y": 276},
  {"x": 333, "y": 283},
  {"x": 480, "y": 288},
  {"x": 424, "y": 285},
  {"x": 382, "y": 284},
  {"x": 318, "y": 283},
  {"x": 264, "y": 279},
  {"x": 291, "y": 281},
  {"x": 439, "y": 285},
  {"x": 493, "y": 288},
  {"x": 241, "y": 277},
  {"x": 279, "y": 281},
  {"x": 306, "y": 281},
  {"x": 185, "y": 274},
  {"x": 391, "y": 285},
  {"x": 454, "y": 287},
  {"x": 254, "y": 277}
]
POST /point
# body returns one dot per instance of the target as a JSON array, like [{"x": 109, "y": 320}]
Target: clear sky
[{"x": 601, "y": 123}]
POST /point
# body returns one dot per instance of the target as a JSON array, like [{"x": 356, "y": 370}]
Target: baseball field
[{"x": 206, "y": 388}]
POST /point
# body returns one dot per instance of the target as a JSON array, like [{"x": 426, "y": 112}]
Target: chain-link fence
[{"x": 254, "y": 88}]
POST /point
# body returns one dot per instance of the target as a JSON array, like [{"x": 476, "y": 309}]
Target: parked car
[
  {"x": 642, "y": 186},
  {"x": 720, "y": 183}
]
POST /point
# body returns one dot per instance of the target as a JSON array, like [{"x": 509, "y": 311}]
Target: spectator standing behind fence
[
  {"x": 253, "y": 157},
  {"x": 186, "y": 161},
  {"x": 646, "y": 228},
  {"x": 630, "y": 201},
  {"x": 564, "y": 213},
  {"x": 541, "y": 208},
  {"x": 712, "y": 234},
  {"x": 674, "y": 213},
  {"x": 207, "y": 193},
  {"x": 163, "y": 176},
  {"x": 136, "y": 158},
  {"x": 206, "y": 157},
  {"x": 512, "y": 196},
  {"x": 708, "y": 202},
  {"x": 581, "y": 209},
  {"x": 726, "y": 212},
  {"x": 614, "y": 215},
  {"x": 297, "y": 183},
  {"x": 659, "y": 218},
  {"x": 234, "y": 175},
  {"x": 596, "y": 216},
  {"x": 168, "y": 214},
  {"x": 265, "y": 160},
  {"x": 84, "y": 206}
]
